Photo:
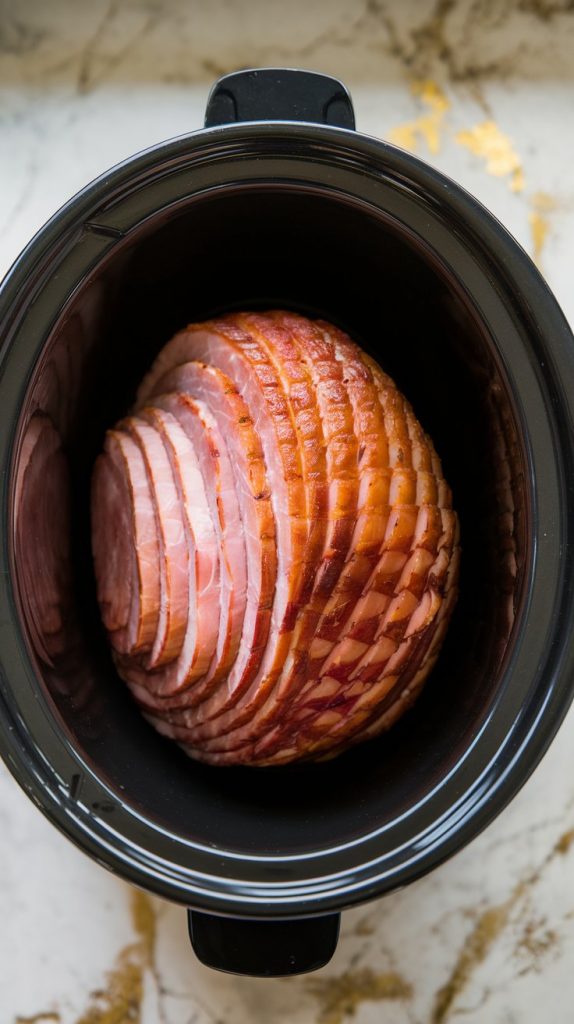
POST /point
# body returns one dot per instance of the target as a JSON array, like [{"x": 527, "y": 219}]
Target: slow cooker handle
[
  {"x": 279, "y": 94},
  {"x": 263, "y": 949}
]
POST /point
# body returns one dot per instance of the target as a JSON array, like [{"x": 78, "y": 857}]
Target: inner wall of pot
[{"x": 256, "y": 250}]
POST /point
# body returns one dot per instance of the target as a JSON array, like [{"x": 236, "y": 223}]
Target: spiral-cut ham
[{"x": 275, "y": 547}]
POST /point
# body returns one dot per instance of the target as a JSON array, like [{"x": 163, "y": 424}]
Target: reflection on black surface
[
  {"x": 501, "y": 539},
  {"x": 43, "y": 534},
  {"x": 42, "y": 518},
  {"x": 508, "y": 512}
]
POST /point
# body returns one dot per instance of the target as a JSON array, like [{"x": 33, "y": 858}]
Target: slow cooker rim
[{"x": 558, "y": 693}]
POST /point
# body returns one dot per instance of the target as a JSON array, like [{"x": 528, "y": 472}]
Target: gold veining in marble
[
  {"x": 121, "y": 1000},
  {"x": 39, "y": 1018},
  {"x": 539, "y": 228},
  {"x": 477, "y": 945},
  {"x": 364, "y": 927},
  {"x": 428, "y": 126},
  {"x": 542, "y": 205},
  {"x": 340, "y": 996},
  {"x": 487, "y": 928},
  {"x": 564, "y": 843},
  {"x": 488, "y": 141},
  {"x": 535, "y": 943},
  {"x": 145, "y": 925}
]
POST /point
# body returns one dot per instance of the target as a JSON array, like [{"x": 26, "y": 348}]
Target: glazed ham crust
[{"x": 275, "y": 548}]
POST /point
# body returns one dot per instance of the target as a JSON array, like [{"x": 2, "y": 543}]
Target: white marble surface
[{"x": 84, "y": 85}]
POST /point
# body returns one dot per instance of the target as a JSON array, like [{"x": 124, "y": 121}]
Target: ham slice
[
  {"x": 227, "y": 593},
  {"x": 125, "y": 545},
  {"x": 275, "y": 547},
  {"x": 193, "y": 550},
  {"x": 216, "y": 391},
  {"x": 218, "y": 595},
  {"x": 172, "y": 547}
]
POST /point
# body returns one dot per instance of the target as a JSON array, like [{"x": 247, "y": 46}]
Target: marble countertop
[{"x": 486, "y": 92}]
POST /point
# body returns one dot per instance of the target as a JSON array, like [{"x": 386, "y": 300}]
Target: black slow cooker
[{"x": 278, "y": 202}]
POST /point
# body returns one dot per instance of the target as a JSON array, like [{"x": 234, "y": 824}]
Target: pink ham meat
[
  {"x": 218, "y": 609},
  {"x": 357, "y": 533},
  {"x": 173, "y": 551},
  {"x": 275, "y": 548},
  {"x": 192, "y": 565},
  {"x": 238, "y": 354},
  {"x": 125, "y": 545},
  {"x": 330, "y": 454},
  {"x": 223, "y": 606},
  {"x": 252, "y": 545}
]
